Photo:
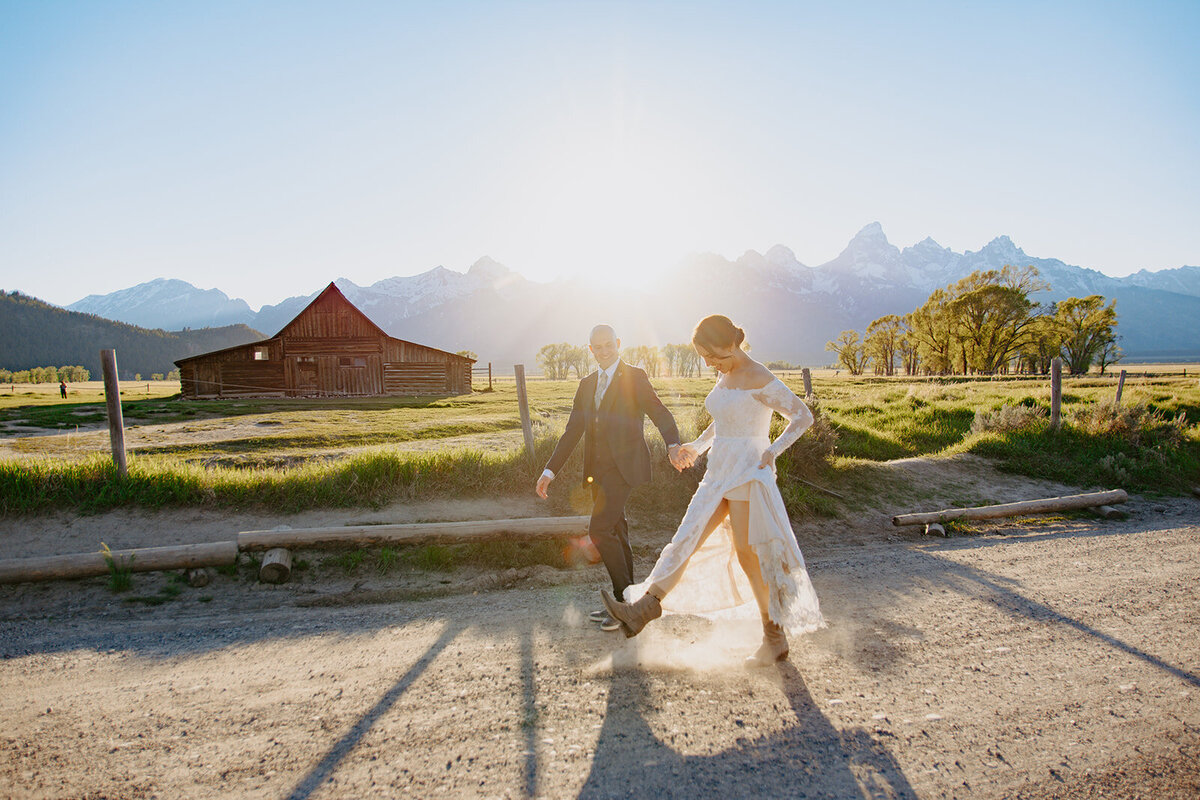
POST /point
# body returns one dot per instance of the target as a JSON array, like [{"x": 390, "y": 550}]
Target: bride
[{"x": 736, "y": 512}]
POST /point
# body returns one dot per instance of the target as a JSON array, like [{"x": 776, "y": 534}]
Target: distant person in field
[
  {"x": 62, "y": 389},
  {"x": 737, "y": 511},
  {"x": 610, "y": 407}
]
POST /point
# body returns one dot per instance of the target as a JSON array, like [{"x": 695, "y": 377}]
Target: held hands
[
  {"x": 542, "y": 485},
  {"x": 681, "y": 457}
]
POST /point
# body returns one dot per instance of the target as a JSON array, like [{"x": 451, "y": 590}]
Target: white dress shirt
[{"x": 609, "y": 373}]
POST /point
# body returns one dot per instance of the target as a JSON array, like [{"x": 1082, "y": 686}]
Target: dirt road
[{"x": 1055, "y": 660}]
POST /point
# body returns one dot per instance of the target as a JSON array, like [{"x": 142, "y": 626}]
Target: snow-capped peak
[
  {"x": 781, "y": 256},
  {"x": 1001, "y": 247},
  {"x": 488, "y": 270}
]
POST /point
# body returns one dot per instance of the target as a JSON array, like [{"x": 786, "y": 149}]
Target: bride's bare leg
[
  {"x": 775, "y": 645},
  {"x": 739, "y": 520},
  {"x": 663, "y": 585}
]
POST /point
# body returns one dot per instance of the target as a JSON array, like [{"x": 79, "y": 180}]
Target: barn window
[
  {"x": 347, "y": 361},
  {"x": 262, "y": 353}
]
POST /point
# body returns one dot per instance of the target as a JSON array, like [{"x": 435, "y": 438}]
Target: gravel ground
[{"x": 1053, "y": 659}]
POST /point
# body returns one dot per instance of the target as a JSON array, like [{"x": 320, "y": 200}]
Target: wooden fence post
[
  {"x": 804, "y": 373},
  {"x": 112, "y": 396},
  {"x": 523, "y": 403},
  {"x": 1120, "y": 387},
  {"x": 1055, "y": 393}
]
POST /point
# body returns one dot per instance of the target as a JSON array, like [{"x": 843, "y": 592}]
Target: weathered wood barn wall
[{"x": 330, "y": 349}]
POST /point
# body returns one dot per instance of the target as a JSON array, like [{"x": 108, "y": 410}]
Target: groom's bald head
[{"x": 605, "y": 345}]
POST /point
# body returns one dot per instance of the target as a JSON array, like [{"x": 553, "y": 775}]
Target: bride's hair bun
[{"x": 717, "y": 331}]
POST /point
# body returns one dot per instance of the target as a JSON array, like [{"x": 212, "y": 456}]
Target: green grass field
[{"x": 293, "y": 454}]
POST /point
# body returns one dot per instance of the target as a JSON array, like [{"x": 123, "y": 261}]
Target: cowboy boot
[
  {"x": 773, "y": 648},
  {"x": 632, "y": 616}
]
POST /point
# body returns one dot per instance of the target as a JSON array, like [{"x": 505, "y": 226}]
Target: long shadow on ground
[{"x": 809, "y": 759}]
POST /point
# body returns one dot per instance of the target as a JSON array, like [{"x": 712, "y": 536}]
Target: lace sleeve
[
  {"x": 704, "y": 440},
  {"x": 778, "y": 397}
]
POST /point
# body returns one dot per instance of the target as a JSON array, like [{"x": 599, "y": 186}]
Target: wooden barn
[{"x": 331, "y": 349}]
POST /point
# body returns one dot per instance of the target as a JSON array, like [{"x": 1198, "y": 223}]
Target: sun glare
[{"x": 620, "y": 207}]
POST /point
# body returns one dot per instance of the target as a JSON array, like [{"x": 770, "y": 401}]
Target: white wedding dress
[{"x": 713, "y": 584}]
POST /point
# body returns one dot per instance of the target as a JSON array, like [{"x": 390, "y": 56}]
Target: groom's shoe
[
  {"x": 598, "y": 616},
  {"x": 608, "y": 624},
  {"x": 632, "y": 616}
]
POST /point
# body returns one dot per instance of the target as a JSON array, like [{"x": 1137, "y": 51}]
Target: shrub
[
  {"x": 812, "y": 452},
  {"x": 1007, "y": 419},
  {"x": 1136, "y": 424}
]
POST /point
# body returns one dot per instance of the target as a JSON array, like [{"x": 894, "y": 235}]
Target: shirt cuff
[{"x": 548, "y": 474}]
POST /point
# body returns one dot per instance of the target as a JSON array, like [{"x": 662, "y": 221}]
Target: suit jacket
[{"x": 617, "y": 425}]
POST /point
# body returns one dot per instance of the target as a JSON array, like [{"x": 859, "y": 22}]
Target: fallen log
[
  {"x": 276, "y": 566},
  {"x": 1068, "y": 503},
  {"x": 142, "y": 559},
  {"x": 934, "y": 529},
  {"x": 416, "y": 533}
]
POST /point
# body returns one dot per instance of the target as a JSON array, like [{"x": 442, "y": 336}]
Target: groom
[{"x": 610, "y": 406}]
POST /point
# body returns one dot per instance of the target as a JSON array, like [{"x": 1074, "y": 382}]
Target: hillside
[{"x": 36, "y": 334}]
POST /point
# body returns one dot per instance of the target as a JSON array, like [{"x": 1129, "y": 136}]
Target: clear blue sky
[{"x": 266, "y": 148}]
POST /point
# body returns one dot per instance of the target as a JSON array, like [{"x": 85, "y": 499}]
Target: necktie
[{"x": 601, "y": 385}]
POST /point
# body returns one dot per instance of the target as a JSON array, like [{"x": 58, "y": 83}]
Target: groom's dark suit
[{"x": 615, "y": 457}]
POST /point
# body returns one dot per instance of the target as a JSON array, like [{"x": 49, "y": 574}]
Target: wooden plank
[
  {"x": 1067, "y": 503},
  {"x": 418, "y": 377},
  {"x": 416, "y": 533},
  {"x": 145, "y": 559}
]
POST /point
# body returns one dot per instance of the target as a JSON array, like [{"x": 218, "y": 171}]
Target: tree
[
  {"x": 645, "y": 356},
  {"x": 1043, "y": 344},
  {"x": 932, "y": 329},
  {"x": 471, "y": 354},
  {"x": 580, "y": 360},
  {"x": 881, "y": 341},
  {"x": 687, "y": 360},
  {"x": 1086, "y": 326},
  {"x": 849, "y": 351},
  {"x": 906, "y": 347},
  {"x": 554, "y": 360},
  {"x": 674, "y": 357},
  {"x": 1110, "y": 353},
  {"x": 993, "y": 315}
]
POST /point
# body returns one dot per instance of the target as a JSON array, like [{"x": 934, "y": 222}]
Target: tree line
[
  {"x": 986, "y": 324},
  {"x": 559, "y": 361},
  {"x": 71, "y": 374}
]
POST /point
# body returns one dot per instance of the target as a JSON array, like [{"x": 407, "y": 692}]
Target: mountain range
[{"x": 789, "y": 309}]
